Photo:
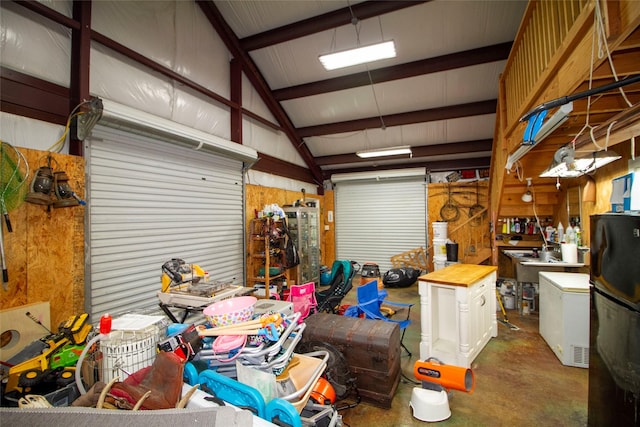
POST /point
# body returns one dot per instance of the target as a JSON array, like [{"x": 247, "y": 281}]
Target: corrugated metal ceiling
[{"x": 438, "y": 95}]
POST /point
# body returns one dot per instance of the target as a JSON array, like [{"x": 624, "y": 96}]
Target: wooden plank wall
[
  {"x": 463, "y": 195},
  {"x": 45, "y": 251}
]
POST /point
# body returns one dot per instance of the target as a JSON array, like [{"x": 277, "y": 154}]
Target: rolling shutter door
[
  {"x": 376, "y": 219},
  {"x": 151, "y": 201}
]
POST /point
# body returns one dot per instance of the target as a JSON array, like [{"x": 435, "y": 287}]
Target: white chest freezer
[{"x": 564, "y": 316}]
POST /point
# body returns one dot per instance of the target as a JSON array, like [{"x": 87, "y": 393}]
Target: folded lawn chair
[
  {"x": 342, "y": 273},
  {"x": 369, "y": 302}
]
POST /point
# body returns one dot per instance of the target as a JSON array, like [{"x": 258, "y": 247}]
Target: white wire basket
[{"x": 130, "y": 346}]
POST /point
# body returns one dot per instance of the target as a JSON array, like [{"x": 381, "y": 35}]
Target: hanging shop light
[{"x": 566, "y": 165}]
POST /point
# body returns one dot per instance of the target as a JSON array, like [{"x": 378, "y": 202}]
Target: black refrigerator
[{"x": 614, "y": 347}]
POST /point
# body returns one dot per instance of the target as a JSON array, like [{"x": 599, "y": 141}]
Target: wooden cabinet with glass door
[{"x": 265, "y": 271}]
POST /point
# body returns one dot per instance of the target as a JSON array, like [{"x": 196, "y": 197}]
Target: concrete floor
[{"x": 519, "y": 380}]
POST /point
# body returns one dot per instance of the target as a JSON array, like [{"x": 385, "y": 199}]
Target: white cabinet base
[{"x": 457, "y": 319}]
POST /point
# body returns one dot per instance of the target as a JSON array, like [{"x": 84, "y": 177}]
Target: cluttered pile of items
[{"x": 244, "y": 355}]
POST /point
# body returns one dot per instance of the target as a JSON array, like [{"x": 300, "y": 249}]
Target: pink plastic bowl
[{"x": 230, "y": 311}]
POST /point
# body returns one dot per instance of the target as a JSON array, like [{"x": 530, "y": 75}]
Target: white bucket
[
  {"x": 509, "y": 302},
  {"x": 439, "y": 230},
  {"x": 440, "y": 247},
  {"x": 439, "y": 263}
]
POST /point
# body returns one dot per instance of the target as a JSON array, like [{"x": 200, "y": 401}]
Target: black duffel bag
[{"x": 400, "y": 277}]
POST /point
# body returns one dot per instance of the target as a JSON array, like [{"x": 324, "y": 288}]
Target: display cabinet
[{"x": 304, "y": 227}]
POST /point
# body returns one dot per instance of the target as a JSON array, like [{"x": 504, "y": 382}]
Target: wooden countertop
[{"x": 459, "y": 274}]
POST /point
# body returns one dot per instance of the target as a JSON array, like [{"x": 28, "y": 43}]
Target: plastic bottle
[
  {"x": 560, "y": 233},
  {"x": 569, "y": 235},
  {"x": 549, "y": 231},
  {"x": 578, "y": 235}
]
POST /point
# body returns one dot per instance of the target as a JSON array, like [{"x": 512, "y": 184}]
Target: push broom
[{"x": 505, "y": 319}]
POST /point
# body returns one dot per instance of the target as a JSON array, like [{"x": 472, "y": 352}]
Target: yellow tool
[
  {"x": 177, "y": 275},
  {"x": 76, "y": 328},
  {"x": 72, "y": 332},
  {"x": 505, "y": 319}
]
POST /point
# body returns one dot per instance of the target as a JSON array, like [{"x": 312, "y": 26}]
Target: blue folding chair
[{"x": 369, "y": 302}]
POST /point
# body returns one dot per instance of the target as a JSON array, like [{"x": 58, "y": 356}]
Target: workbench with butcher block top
[{"x": 457, "y": 312}]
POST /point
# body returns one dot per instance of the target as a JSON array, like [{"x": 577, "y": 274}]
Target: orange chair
[{"x": 303, "y": 298}]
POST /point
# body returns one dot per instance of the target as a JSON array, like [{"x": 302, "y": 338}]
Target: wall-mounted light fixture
[
  {"x": 359, "y": 55},
  {"x": 565, "y": 166},
  {"x": 527, "y": 196},
  {"x": 536, "y": 131},
  {"x": 382, "y": 152},
  {"x": 41, "y": 185}
]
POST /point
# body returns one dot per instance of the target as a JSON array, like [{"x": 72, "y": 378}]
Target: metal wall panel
[
  {"x": 148, "y": 202},
  {"x": 376, "y": 219}
]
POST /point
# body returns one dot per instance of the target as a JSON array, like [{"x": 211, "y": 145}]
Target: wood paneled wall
[
  {"x": 463, "y": 195},
  {"x": 45, "y": 251}
]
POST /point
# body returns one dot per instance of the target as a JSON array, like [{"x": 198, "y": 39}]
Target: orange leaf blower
[{"x": 447, "y": 376}]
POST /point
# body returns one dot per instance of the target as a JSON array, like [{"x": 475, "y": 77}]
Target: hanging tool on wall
[{"x": 14, "y": 173}]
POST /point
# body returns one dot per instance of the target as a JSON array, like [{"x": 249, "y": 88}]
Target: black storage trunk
[{"x": 371, "y": 347}]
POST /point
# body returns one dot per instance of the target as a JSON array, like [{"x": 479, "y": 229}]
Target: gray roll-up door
[
  {"x": 150, "y": 201},
  {"x": 376, "y": 219}
]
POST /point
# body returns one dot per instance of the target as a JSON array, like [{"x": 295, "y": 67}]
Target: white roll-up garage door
[
  {"x": 150, "y": 201},
  {"x": 379, "y": 218}
]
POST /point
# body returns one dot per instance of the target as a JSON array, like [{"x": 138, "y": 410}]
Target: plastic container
[
  {"x": 452, "y": 252},
  {"x": 230, "y": 311},
  {"x": 440, "y": 247},
  {"x": 439, "y": 230},
  {"x": 560, "y": 233},
  {"x": 439, "y": 263},
  {"x": 509, "y": 302}
]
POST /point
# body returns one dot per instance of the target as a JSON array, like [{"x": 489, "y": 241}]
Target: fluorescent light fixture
[
  {"x": 536, "y": 131},
  {"x": 382, "y": 152},
  {"x": 120, "y": 116},
  {"x": 359, "y": 55},
  {"x": 580, "y": 166},
  {"x": 377, "y": 175}
]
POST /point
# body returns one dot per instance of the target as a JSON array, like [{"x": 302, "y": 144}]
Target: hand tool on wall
[{"x": 14, "y": 173}]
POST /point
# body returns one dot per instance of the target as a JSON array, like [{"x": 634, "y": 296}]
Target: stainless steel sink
[{"x": 520, "y": 254}]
